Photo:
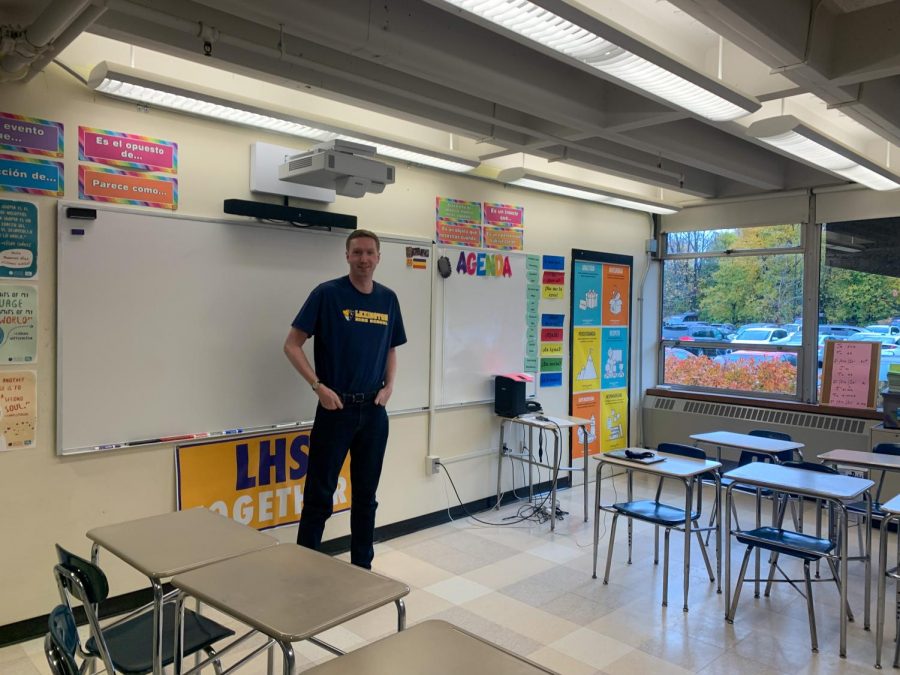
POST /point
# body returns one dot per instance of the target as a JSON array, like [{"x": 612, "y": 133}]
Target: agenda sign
[{"x": 257, "y": 481}]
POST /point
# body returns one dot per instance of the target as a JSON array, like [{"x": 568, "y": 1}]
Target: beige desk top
[
  {"x": 788, "y": 479},
  {"x": 674, "y": 465},
  {"x": 168, "y": 544},
  {"x": 892, "y": 506},
  {"x": 869, "y": 460},
  {"x": 731, "y": 439},
  {"x": 549, "y": 421},
  {"x": 289, "y": 592},
  {"x": 432, "y": 647}
]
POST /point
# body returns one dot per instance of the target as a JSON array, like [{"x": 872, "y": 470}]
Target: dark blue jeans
[{"x": 363, "y": 430}]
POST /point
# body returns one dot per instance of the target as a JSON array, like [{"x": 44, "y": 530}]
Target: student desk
[
  {"x": 730, "y": 439},
  {"x": 554, "y": 425},
  {"x": 165, "y": 545},
  {"x": 891, "y": 510},
  {"x": 289, "y": 593},
  {"x": 835, "y": 489},
  {"x": 680, "y": 468},
  {"x": 433, "y": 647}
]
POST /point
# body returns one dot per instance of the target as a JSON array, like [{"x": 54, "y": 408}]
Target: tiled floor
[{"x": 531, "y": 591}]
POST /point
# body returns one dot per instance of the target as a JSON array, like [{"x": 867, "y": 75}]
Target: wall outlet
[{"x": 432, "y": 464}]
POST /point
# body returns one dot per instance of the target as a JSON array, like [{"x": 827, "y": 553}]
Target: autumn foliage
[{"x": 764, "y": 376}]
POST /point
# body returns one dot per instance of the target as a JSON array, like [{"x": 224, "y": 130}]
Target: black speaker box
[{"x": 509, "y": 396}]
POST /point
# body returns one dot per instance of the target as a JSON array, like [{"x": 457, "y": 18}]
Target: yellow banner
[
  {"x": 614, "y": 420},
  {"x": 256, "y": 481}
]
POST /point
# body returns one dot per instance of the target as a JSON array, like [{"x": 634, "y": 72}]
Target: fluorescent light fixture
[
  {"x": 537, "y": 181},
  {"x": 577, "y": 35},
  {"x": 134, "y": 85},
  {"x": 792, "y": 136}
]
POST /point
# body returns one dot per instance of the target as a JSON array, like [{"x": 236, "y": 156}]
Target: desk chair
[
  {"x": 661, "y": 515},
  {"x": 806, "y": 547},
  {"x": 124, "y": 646},
  {"x": 61, "y": 642},
  {"x": 860, "y": 507},
  {"x": 748, "y": 456}
]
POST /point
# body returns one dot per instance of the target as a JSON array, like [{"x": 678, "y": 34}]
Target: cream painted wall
[{"x": 47, "y": 499}]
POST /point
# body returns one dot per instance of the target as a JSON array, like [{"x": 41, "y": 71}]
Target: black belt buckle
[{"x": 356, "y": 398}]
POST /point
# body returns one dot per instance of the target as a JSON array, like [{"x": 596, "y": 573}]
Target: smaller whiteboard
[
  {"x": 850, "y": 373},
  {"x": 482, "y": 326}
]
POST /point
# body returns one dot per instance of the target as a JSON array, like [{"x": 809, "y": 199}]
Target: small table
[
  {"x": 433, "y": 647},
  {"x": 289, "y": 593},
  {"x": 891, "y": 510},
  {"x": 555, "y": 425},
  {"x": 674, "y": 466},
  {"x": 730, "y": 439},
  {"x": 836, "y": 489},
  {"x": 165, "y": 545}
]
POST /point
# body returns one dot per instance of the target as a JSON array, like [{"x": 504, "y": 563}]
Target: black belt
[{"x": 356, "y": 399}]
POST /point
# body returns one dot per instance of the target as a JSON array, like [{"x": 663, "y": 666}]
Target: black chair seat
[
  {"x": 653, "y": 512},
  {"x": 860, "y": 507},
  {"x": 796, "y": 544},
  {"x": 131, "y": 647}
]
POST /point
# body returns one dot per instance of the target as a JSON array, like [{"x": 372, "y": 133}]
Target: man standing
[{"x": 357, "y": 327}]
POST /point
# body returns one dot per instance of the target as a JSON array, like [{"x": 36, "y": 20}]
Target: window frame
[{"x": 806, "y": 386}]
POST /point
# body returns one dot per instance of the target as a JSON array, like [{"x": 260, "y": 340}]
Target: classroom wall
[{"x": 45, "y": 498}]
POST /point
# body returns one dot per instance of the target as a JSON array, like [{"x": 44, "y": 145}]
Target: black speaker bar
[{"x": 289, "y": 214}]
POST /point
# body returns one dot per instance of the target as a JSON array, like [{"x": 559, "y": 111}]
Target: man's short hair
[{"x": 356, "y": 234}]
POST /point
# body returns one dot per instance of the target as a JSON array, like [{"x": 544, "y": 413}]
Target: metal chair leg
[
  {"x": 656, "y": 544},
  {"x": 772, "y": 566},
  {"x": 837, "y": 581},
  {"x": 609, "y": 552},
  {"x": 712, "y": 577},
  {"x": 665, "y": 601},
  {"x": 809, "y": 607},
  {"x": 729, "y": 617}
]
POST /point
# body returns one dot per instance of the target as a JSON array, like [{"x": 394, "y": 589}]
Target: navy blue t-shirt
[{"x": 353, "y": 332}]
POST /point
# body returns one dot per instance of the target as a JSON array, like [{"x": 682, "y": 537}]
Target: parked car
[
  {"x": 747, "y": 356},
  {"x": 678, "y": 353},
  {"x": 792, "y": 327},
  {"x": 881, "y": 329},
  {"x": 839, "y": 330},
  {"x": 727, "y": 329},
  {"x": 696, "y": 332},
  {"x": 685, "y": 317},
  {"x": 759, "y": 336}
]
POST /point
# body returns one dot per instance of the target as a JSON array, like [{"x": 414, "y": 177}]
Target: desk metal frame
[
  {"x": 891, "y": 510},
  {"x": 835, "y": 489},
  {"x": 165, "y": 545},
  {"x": 555, "y": 425},
  {"x": 678, "y": 468}
]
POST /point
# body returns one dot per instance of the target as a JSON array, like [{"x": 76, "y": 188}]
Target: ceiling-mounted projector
[{"x": 343, "y": 166}]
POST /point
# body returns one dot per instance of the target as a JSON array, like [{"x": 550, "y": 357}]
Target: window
[
  {"x": 859, "y": 285},
  {"x": 732, "y": 309}
]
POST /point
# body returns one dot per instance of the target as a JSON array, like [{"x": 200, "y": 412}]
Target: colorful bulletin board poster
[
  {"x": 18, "y": 409},
  {"x": 127, "y": 187},
  {"x": 18, "y": 239},
  {"x": 504, "y": 226},
  {"x": 850, "y": 373},
  {"x": 614, "y": 420},
  {"x": 600, "y": 347},
  {"x": 585, "y": 359},
  {"x": 586, "y": 293},
  {"x": 532, "y": 300},
  {"x": 458, "y": 210},
  {"x": 554, "y": 277},
  {"x": 256, "y": 481},
  {"x": 32, "y": 176},
  {"x": 128, "y": 151},
  {"x": 504, "y": 215},
  {"x": 31, "y": 135},
  {"x": 18, "y": 324},
  {"x": 504, "y": 238},
  {"x": 585, "y": 406}
]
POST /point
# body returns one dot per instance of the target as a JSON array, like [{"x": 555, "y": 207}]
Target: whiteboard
[
  {"x": 482, "y": 329},
  {"x": 171, "y": 326}
]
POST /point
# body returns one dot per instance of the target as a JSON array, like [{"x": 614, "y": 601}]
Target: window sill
[{"x": 791, "y": 406}]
